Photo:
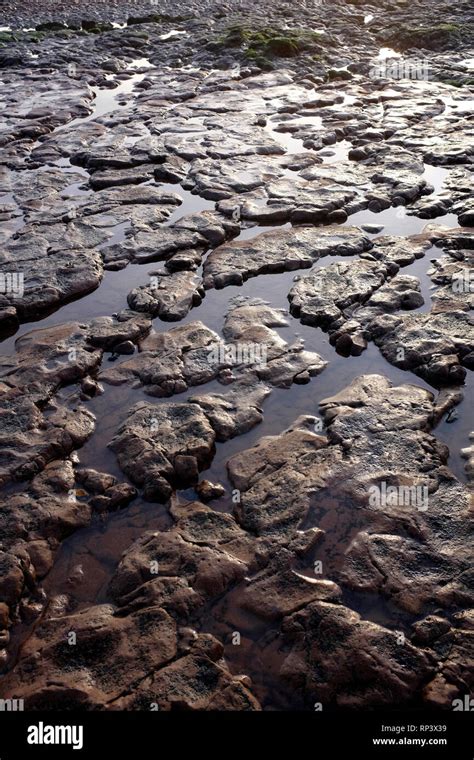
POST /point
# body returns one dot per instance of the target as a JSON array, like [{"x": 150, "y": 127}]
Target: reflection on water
[
  {"x": 86, "y": 561},
  {"x": 281, "y": 408},
  {"x": 396, "y": 221}
]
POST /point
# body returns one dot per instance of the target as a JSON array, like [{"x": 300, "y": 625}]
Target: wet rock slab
[
  {"x": 171, "y": 297},
  {"x": 159, "y": 444},
  {"x": 146, "y": 642},
  {"x": 277, "y": 251},
  {"x": 192, "y": 354},
  {"x": 318, "y": 577}
]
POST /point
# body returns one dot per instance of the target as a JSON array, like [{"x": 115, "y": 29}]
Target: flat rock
[
  {"x": 36, "y": 280},
  {"x": 160, "y": 445},
  {"x": 279, "y": 251},
  {"x": 78, "y": 676},
  {"x": 235, "y": 412},
  {"x": 169, "y": 296},
  {"x": 358, "y": 663}
]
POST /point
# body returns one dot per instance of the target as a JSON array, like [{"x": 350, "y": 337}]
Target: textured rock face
[
  {"x": 235, "y": 412},
  {"x": 46, "y": 281},
  {"x": 33, "y": 523},
  {"x": 47, "y": 103},
  {"x": 150, "y": 637},
  {"x": 361, "y": 426},
  {"x": 196, "y": 560},
  {"x": 298, "y": 201},
  {"x": 97, "y": 631},
  {"x": 156, "y": 445},
  {"x": 284, "y": 484},
  {"x": 433, "y": 346},
  {"x": 338, "y": 658},
  {"x": 160, "y": 446},
  {"x": 437, "y": 345},
  {"x": 33, "y": 431},
  {"x": 191, "y": 354},
  {"x": 269, "y": 252},
  {"x": 170, "y": 362},
  {"x": 171, "y": 298},
  {"x": 259, "y": 565},
  {"x": 158, "y": 660},
  {"x": 358, "y": 301},
  {"x": 30, "y": 439},
  {"x": 322, "y": 297},
  {"x": 168, "y": 497}
]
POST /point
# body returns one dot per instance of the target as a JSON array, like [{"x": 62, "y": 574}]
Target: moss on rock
[{"x": 268, "y": 42}]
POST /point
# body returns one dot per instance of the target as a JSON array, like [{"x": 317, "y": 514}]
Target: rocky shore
[{"x": 266, "y": 505}]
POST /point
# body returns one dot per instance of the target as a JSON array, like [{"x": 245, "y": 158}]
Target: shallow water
[
  {"x": 281, "y": 408},
  {"x": 86, "y": 560},
  {"x": 111, "y": 295}
]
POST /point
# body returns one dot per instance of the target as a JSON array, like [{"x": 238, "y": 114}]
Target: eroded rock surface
[
  {"x": 332, "y": 564},
  {"x": 157, "y": 444},
  {"x": 269, "y": 252}
]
